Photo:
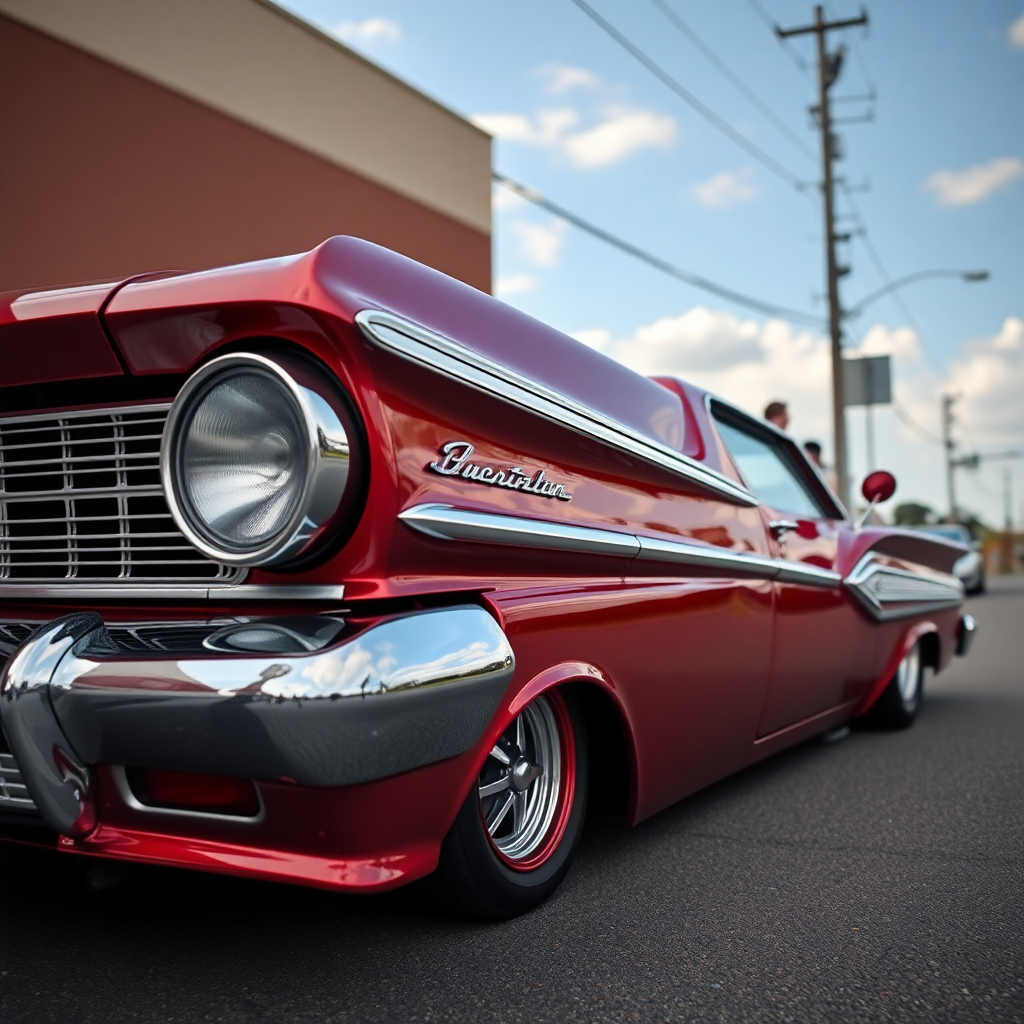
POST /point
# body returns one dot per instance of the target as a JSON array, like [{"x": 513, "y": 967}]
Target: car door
[{"x": 821, "y": 651}]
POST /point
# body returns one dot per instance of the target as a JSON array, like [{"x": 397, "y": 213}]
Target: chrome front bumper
[
  {"x": 390, "y": 697},
  {"x": 965, "y": 634}
]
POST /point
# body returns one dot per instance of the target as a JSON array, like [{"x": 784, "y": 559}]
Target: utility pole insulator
[{"x": 829, "y": 66}]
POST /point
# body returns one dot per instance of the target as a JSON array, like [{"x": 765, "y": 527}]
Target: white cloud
[
  {"x": 746, "y": 361},
  {"x": 595, "y": 337},
  {"x": 514, "y": 284},
  {"x": 369, "y": 30},
  {"x": 902, "y": 343},
  {"x": 505, "y": 199},
  {"x": 623, "y": 132},
  {"x": 561, "y": 78},
  {"x": 975, "y": 183},
  {"x": 752, "y": 362},
  {"x": 989, "y": 378},
  {"x": 726, "y": 189},
  {"x": 1015, "y": 33},
  {"x": 540, "y": 243},
  {"x": 1011, "y": 337},
  {"x": 546, "y": 128}
]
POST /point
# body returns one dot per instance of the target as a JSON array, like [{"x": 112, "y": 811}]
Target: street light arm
[{"x": 921, "y": 275}]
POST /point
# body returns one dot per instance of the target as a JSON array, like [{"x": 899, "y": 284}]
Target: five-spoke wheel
[
  {"x": 515, "y": 835},
  {"x": 525, "y": 787}
]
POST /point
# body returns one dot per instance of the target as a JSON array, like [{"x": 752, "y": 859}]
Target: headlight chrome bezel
[{"x": 326, "y": 460}]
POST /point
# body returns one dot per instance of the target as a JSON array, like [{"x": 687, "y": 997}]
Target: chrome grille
[
  {"x": 13, "y": 793},
  {"x": 129, "y": 637},
  {"x": 81, "y": 502}
]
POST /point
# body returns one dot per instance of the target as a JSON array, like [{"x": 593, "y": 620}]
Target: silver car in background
[{"x": 970, "y": 569}]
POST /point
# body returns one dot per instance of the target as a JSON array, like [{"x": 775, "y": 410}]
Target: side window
[{"x": 766, "y": 472}]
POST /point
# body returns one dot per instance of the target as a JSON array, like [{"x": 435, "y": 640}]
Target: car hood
[{"x": 56, "y": 334}]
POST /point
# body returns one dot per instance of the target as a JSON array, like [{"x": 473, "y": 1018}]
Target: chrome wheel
[
  {"x": 514, "y": 837},
  {"x": 898, "y": 704},
  {"x": 908, "y": 675},
  {"x": 521, "y": 788}
]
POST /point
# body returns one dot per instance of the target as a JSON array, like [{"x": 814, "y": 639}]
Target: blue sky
[{"x": 579, "y": 120}]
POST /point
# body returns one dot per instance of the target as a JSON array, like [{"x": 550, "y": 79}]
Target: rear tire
[
  {"x": 900, "y": 701},
  {"x": 517, "y": 831}
]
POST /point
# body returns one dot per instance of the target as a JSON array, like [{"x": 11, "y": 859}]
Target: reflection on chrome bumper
[
  {"x": 965, "y": 634},
  {"x": 398, "y": 695}
]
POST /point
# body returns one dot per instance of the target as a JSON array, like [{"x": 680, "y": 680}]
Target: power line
[
  {"x": 902, "y": 413},
  {"x": 909, "y": 421},
  {"x": 684, "y": 94},
  {"x": 664, "y": 266},
  {"x": 886, "y": 279},
  {"x": 724, "y": 68},
  {"x": 786, "y": 46},
  {"x": 859, "y": 55}
]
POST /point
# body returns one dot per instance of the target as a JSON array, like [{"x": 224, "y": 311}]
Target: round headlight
[{"x": 255, "y": 459}]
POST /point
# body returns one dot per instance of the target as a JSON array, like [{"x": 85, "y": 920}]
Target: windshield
[{"x": 950, "y": 532}]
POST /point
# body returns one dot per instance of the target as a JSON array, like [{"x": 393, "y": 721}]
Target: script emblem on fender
[{"x": 455, "y": 462}]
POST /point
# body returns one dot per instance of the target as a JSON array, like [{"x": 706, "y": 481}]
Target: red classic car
[{"x": 331, "y": 569}]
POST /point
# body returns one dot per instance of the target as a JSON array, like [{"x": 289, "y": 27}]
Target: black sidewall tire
[
  {"x": 471, "y": 877},
  {"x": 891, "y": 711}
]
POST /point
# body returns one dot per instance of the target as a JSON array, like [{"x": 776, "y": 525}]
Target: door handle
[{"x": 780, "y": 527}]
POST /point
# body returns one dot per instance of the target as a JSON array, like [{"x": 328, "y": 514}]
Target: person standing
[
  {"x": 777, "y": 414},
  {"x": 812, "y": 449}
]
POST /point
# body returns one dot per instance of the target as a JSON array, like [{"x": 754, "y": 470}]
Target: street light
[{"x": 969, "y": 276}]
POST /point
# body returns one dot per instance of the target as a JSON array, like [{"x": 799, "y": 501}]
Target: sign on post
[{"x": 867, "y": 381}]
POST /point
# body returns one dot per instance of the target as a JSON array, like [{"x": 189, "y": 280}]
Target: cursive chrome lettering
[{"x": 455, "y": 461}]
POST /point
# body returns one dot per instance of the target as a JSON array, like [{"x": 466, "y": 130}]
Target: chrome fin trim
[
  {"x": 444, "y": 522},
  {"x": 454, "y": 360},
  {"x": 891, "y": 593}
]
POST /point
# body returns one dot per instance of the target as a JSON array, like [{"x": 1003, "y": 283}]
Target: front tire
[
  {"x": 515, "y": 835},
  {"x": 900, "y": 701}
]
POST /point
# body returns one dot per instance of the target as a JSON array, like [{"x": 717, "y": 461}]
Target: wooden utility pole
[
  {"x": 828, "y": 71},
  {"x": 949, "y": 445}
]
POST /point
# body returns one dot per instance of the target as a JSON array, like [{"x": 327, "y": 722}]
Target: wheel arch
[
  {"x": 928, "y": 634},
  {"x": 614, "y": 771}
]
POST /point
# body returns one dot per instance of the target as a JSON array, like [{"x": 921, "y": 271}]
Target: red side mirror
[{"x": 878, "y": 486}]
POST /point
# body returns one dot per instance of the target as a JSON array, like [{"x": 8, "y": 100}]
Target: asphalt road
[{"x": 880, "y": 878}]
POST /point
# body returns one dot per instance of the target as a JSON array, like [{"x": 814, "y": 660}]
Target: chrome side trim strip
[
  {"x": 449, "y": 357},
  {"x": 239, "y": 592},
  {"x": 681, "y": 553},
  {"x": 807, "y": 574},
  {"x": 444, "y": 522},
  {"x": 891, "y": 593}
]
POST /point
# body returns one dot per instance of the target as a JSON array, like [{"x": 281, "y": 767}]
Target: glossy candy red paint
[{"x": 699, "y": 618}]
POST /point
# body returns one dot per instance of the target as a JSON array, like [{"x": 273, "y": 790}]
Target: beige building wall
[{"x": 143, "y": 134}]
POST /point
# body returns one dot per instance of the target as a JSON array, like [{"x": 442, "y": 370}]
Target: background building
[{"x": 148, "y": 134}]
